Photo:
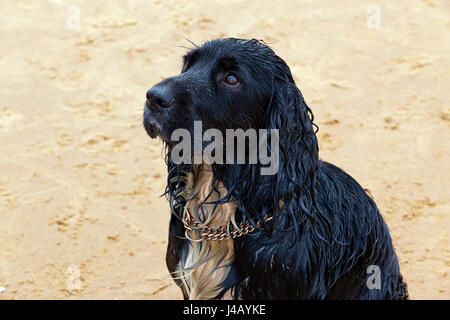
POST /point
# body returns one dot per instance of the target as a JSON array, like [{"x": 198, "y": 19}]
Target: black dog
[{"x": 308, "y": 232}]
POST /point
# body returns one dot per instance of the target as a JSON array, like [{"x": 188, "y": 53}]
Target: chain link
[{"x": 208, "y": 233}]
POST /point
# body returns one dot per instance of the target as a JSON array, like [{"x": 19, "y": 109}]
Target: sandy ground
[{"x": 80, "y": 212}]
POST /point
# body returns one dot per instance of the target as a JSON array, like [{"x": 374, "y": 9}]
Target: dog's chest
[{"x": 205, "y": 264}]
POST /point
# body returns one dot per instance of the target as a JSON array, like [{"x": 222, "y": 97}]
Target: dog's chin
[
  {"x": 155, "y": 126},
  {"x": 155, "y": 130},
  {"x": 152, "y": 131},
  {"x": 152, "y": 126}
]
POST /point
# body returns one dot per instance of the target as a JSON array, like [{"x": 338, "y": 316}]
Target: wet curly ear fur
[
  {"x": 298, "y": 149},
  {"x": 298, "y": 142}
]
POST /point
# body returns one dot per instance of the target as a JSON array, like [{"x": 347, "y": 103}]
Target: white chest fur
[{"x": 207, "y": 262}]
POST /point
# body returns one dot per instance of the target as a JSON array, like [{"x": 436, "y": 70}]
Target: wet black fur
[{"x": 322, "y": 240}]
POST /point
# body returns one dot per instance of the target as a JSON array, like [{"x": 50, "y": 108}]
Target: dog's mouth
[
  {"x": 152, "y": 125},
  {"x": 152, "y": 129},
  {"x": 155, "y": 125}
]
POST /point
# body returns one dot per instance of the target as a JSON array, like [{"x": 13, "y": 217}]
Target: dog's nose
[{"x": 160, "y": 97}]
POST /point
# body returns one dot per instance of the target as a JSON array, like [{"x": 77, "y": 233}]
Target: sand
[{"x": 81, "y": 215}]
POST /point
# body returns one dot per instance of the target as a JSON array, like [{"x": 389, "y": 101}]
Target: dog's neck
[{"x": 201, "y": 192}]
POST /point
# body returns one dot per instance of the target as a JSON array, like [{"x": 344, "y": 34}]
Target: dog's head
[
  {"x": 237, "y": 83},
  {"x": 225, "y": 83}
]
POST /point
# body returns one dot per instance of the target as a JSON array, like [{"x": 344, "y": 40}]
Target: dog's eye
[{"x": 231, "y": 80}]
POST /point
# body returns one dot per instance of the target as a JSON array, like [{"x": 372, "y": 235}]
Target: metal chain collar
[{"x": 222, "y": 233}]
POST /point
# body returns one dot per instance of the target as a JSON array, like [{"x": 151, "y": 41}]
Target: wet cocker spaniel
[{"x": 309, "y": 231}]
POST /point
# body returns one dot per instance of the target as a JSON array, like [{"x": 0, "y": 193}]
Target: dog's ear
[
  {"x": 298, "y": 147},
  {"x": 289, "y": 114}
]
